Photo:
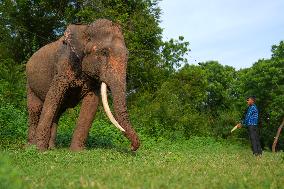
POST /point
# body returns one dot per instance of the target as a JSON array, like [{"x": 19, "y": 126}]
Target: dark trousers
[{"x": 254, "y": 138}]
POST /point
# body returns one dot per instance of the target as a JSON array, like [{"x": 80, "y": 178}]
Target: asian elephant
[{"x": 87, "y": 59}]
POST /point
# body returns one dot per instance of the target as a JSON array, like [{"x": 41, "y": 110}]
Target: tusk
[{"x": 106, "y": 107}]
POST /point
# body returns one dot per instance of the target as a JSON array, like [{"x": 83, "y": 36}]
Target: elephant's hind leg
[
  {"x": 86, "y": 117},
  {"x": 34, "y": 109}
]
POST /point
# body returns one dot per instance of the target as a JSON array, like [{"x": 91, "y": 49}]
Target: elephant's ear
[{"x": 75, "y": 37}]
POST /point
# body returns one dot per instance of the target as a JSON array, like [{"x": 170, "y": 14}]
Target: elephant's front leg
[
  {"x": 85, "y": 120},
  {"x": 53, "y": 100},
  {"x": 52, "y": 139}
]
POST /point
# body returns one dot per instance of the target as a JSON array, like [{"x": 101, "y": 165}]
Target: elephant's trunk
[{"x": 123, "y": 123}]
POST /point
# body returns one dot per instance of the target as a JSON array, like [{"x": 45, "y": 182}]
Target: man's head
[{"x": 250, "y": 100}]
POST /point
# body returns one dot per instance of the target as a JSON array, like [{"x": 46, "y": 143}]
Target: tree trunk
[{"x": 277, "y": 136}]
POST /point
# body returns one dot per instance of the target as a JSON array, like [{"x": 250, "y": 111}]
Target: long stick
[{"x": 277, "y": 136}]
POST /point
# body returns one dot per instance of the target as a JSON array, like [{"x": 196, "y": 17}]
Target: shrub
[
  {"x": 13, "y": 125},
  {"x": 12, "y": 83}
]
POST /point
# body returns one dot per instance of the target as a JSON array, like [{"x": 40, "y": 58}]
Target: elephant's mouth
[{"x": 106, "y": 107}]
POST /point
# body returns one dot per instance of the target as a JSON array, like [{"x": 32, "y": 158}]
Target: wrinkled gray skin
[{"x": 71, "y": 69}]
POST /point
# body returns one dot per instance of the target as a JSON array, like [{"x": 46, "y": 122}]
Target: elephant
[{"x": 82, "y": 64}]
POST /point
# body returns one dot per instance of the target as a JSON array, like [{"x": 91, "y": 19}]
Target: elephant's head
[{"x": 104, "y": 56}]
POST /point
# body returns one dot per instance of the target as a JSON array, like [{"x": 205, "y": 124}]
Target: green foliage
[
  {"x": 225, "y": 121},
  {"x": 265, "y": 80},
  {"x": 278, "y": 51},
  {"x": 12, "y": 83},
  {"x": 195, "y": 101},
  {"x": 29, "y": 25},
  {"x": 13, "y": 126},
  {"x": 173, "y": 52},
  {"x": 220, "y": 79}
]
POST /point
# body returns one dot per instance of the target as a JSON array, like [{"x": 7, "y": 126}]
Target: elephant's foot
[
  {"x": 51, "y": 145},
  {"x": 41, "y": 145},
  {"x": 41, "y": 148},
  {"x": 31, "y": 142},
  {"x": 135, "y": 143},
  {"x": 77, "y": 147}
]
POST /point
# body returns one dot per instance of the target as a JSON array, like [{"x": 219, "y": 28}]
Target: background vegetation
[{"x": 169, "y": 99}]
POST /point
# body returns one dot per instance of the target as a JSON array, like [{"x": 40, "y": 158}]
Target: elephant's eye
[
  {"x": 104, "y": 52},
  {"x": 88, "y": 48}
]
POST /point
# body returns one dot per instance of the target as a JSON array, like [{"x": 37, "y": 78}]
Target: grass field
[{"x": 194, "y": 163}]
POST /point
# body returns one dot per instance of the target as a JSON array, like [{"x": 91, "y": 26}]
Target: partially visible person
[{"x": 250, "y": 121}]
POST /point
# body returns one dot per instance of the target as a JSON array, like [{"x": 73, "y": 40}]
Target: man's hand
[{"x": 239, "y": 125}]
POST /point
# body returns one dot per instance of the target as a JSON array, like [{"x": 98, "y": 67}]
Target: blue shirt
[{"x": 251, "y": 118}]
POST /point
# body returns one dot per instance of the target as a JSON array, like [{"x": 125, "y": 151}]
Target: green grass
[{"x": 194, "y": 163}]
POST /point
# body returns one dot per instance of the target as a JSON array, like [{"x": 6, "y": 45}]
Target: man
[{"x": 250, "y": 121}]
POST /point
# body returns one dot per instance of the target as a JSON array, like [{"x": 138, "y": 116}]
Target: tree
[
  {"x": 265, "y": 80},
  {"x": 30, "y": 24},
  {"x": 219, "y": 89}
]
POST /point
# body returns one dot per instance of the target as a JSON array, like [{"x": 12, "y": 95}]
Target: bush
[
  {"x": 172, "y": 111},
  {"x": 12, "y": 83},
  {"x": 224, "y": 122},
  {"x": 13, "y": 125}
]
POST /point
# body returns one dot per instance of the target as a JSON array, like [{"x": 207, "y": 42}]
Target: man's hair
[{"x": 252, "y": 97}]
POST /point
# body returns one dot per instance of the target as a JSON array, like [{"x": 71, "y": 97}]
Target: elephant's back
[{"x": 41, "y": 68}]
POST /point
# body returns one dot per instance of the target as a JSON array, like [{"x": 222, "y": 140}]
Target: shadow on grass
[
  {"x": 12, "y": 143},
  {"x": 93, "y": 142}
]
